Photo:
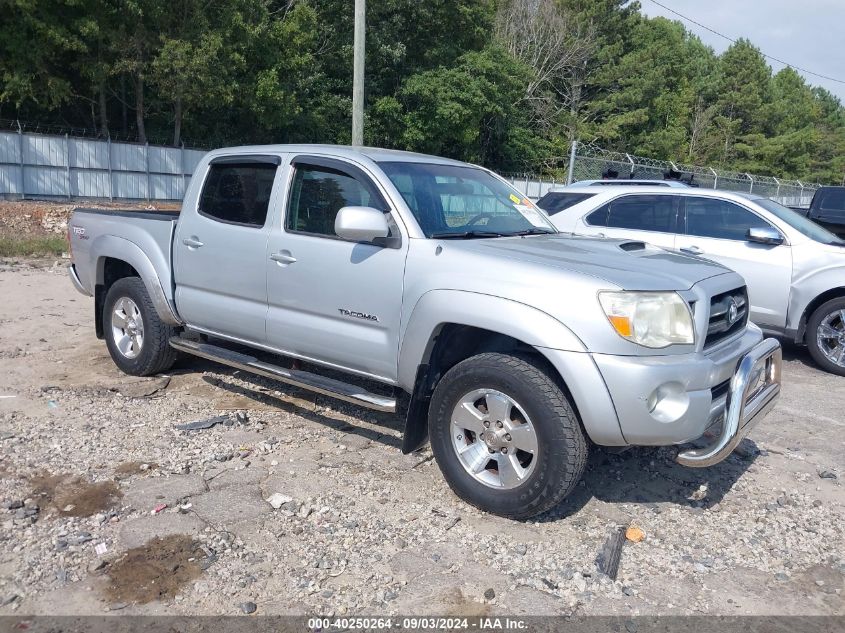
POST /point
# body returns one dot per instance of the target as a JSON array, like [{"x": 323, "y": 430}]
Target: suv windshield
[
  {"x": 456, "y": 201},
  {"x": 799, "y": 222}
]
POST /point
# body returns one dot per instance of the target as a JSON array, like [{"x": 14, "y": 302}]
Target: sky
[{"x": 808, "y": 33}]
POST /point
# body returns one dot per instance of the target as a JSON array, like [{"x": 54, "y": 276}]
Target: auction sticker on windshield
[{"x": 531, "y": 213}]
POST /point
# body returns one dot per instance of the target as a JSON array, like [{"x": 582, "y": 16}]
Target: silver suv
[
  {"x": 518, "y": 346},
  {"x": 795, "y": 269}
]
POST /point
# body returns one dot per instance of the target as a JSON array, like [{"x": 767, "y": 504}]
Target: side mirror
[
  {"x": 764, "y": 235},
  {"x": 361, "y": 224}
]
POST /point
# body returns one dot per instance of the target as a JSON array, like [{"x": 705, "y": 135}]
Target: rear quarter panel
[{"x": 143, "y": 240}]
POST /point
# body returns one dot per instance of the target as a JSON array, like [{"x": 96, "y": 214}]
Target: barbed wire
[
  {"x": 591, "y": 162},
  {"x": 51, "y": 129},
  {"x": 634, "y": 163}
]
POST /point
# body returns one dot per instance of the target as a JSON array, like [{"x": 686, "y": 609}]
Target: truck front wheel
[
  {"x": 505, "y": 435},
  {"x": 138, "y": 340}
]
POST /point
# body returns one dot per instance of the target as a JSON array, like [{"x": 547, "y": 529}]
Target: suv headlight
[{"x": 650, "y": 319}]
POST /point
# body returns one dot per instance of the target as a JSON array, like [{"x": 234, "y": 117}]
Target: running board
[{"x": 297, "y": 378}]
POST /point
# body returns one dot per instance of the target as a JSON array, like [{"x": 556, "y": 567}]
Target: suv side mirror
[
  {"x": 764, "y": 235},
  {"x": 361, "y": 224}
]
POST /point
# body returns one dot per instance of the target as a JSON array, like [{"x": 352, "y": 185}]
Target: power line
[{"x": 730, "y": 39}]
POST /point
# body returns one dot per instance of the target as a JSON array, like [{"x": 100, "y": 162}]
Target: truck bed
[
  {"x": 142, "y": 238},
  {"x": 144, "y": 214}
]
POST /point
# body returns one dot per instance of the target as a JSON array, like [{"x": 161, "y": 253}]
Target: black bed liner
[{"x": 143, "y": 214}]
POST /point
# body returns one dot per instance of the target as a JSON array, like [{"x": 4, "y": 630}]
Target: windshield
[
  {"x": 799, "y": 222},
  {"x": 464, "y": 202}
]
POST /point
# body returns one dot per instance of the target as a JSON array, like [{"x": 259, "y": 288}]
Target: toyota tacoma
[{"x": 387, "y": 272}]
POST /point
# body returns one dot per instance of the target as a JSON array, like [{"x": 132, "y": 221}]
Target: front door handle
[
  {"x": 192, "y": 242},
  {"x": 691, "y": 250},
  {"x": 283, "y": 258}
]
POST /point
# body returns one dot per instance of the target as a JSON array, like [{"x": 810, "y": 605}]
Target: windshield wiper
[
  {"x": 535, "y": 231},
  {"x": 464, "y": 235}
]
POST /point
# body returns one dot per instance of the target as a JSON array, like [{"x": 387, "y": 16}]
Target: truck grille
[{"x": 728, "y": 315}]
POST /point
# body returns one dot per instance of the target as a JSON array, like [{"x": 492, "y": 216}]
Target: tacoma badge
[{"x": 357, "y": 315}]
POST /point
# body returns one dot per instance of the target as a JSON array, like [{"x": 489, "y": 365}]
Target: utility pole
[
  {"x": 572, "y": 149},
  {"x": 358, "y": 73}
]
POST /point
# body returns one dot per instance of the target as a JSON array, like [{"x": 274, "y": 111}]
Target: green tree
[
  {"x": 743, "y": 79},
  {"x": 657, "y": 87},
  {"x": 470, "y": 111},
  {"x": 39, "y": 39},
  {"x": 508, "y": 83}
]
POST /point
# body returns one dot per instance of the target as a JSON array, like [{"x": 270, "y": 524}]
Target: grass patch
[{"x": 32, "y": 245}]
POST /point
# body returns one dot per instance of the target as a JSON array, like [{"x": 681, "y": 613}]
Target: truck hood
[{"x": 629, "y": 264}]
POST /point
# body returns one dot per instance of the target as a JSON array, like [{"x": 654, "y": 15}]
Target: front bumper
[
  {"x": 753, "y": 392},
  {"x": 663, "y": 400}
]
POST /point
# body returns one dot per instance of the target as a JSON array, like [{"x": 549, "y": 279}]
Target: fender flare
[
  {"x": 552, "y": 339},
  {"x": 806, "y": 290},
  {"x": 436, "y": 308},
  {"x": 110, "y": 246}
]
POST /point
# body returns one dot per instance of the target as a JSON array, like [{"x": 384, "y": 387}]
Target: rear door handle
[
  {"x": 283, "y": 258},
  {"x": 192, "y": 242},
  {"x": 691, "y": 250}
]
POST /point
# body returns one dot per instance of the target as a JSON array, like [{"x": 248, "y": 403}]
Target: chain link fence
[
  {"x": 590, "y": 163},
  {"x": 594, "y": 163}
]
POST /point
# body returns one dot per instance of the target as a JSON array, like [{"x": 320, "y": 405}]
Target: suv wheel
[
  {"x": 505, "y": 435},
  {"x": 826, "y": 336},
  {"x": 138, "y": 340}
]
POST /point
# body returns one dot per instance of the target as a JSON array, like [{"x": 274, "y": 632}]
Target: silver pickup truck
[{"x": 518, "y": 345}]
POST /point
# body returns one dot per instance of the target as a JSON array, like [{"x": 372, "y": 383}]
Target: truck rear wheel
[
  {"x": 826, "y": 336},
  {"x": 505, "y": 435},
  {"x": 138, "y": 340}
]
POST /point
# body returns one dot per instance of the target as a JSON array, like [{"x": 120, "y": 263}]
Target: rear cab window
[
  {"x": 238, "y": 192},
  {"x": 832, "y": 200}
]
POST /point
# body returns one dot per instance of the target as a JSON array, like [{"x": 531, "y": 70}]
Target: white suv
[{"x": 795, "y": 270}]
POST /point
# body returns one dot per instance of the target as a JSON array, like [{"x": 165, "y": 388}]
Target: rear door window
[
  {"x": 720, "y": 219},
  {"x": 238, "y": 193},
  {"x": 643, "y": 213}
]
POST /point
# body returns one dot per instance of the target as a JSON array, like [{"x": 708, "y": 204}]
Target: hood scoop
[{"x": 632, "y": 246}]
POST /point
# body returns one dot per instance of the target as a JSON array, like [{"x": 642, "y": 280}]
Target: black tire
[
  {"x": 561, "y": 446},
  {"x": 155, "y": 353},
  {"x": 815, "y": 320}
]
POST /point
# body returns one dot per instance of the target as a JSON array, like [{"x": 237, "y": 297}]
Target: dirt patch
[
  {"x": 74, "y": 496},
  {"x": 143, "y": 387},
  {"x": 127, "y": 469},
  {"x": 156, "y": 570},
  {"x": 458, "y": 605}
]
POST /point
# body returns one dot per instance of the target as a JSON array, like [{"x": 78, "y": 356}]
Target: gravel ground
[{"x": 88, "y": 457}]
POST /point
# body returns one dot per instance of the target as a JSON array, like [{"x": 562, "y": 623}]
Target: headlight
[{"x": 650, "y": 319}]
